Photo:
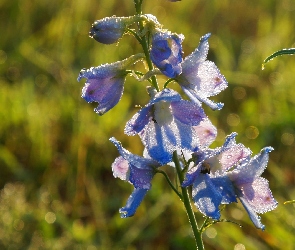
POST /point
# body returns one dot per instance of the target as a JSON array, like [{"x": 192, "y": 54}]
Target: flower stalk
[{"x": 187, "y": 205}]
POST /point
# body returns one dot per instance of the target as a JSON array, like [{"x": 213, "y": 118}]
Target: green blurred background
[{"x": 57, "y": 188}]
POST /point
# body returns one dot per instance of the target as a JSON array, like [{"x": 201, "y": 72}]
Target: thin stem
[
  {"x": 144, "y": 43},
  {"x": 170, "y": 183},
  {"x": 187, "y": 204}
]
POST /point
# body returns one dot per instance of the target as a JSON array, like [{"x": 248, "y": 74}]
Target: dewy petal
[
  {"x": 198, "y": 99},
  {"x": 104, "y": 85},
  {"x": 133, "y": 202},
  {"x": 134, "y": 160},
  {"x": 201, "y": 79},
  {"x": 254, "y": 168},
  {"x": 206, "y": 132},
  {"x": 255, "y": 218},
  {"x": 211, "y": 81},
  {"x": 160, "y": 143},
  {"x": 160, "y": 131},
  {"x": 199, "y": 55},
  {"x": 259, "y": 195},
  {"x": 225, "y": 187},
  {"x": 233, "y": 156},
  {"x": 138, "y": 121},
  {"x": 167, "y": 95},
  {"x": 206, "y": 196},
  {"x": 141, "y": 178},
  {"x": 120, "y": 168},
  {"x": 193, "y": 114}
]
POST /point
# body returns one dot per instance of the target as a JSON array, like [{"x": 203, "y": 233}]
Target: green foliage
[{"x": 57, "y": 187}]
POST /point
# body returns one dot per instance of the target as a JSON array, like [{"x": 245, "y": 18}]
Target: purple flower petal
[
  {"x": 193, "y": 114},
  {"x": 206, "y": 196},
  {"x": 104, "y": 84},
  {"x": 255, "y": 218},
  {"x": 234, "y": 156},
  {"x": 160, "y": 143},
  {"x": 201, "y": 79},
  {"x": 199, "y": 55},
  {"x": 206, "y": 132},
  {"x": 166, "y": 52},
  {"x": 141, "y": 178},
  {"x": 246, "y": 173},
  {"x": 120, "y": 168},
  {"x": 225, "y": 187},
  {"x": 162, "y": 127},
  {"x": 133, "y": 202},
  {"x": 138, "y": 121},
  {"x": 259, "y": 195}
]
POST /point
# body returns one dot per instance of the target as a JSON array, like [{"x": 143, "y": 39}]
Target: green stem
[
  {"x": 187, "y": 204},
  {"x": 144, "y": 44},
  {"x": 170, "y": 183}
]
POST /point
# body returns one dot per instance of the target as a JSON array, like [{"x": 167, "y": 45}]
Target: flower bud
[{"x": 110, "y": 29}]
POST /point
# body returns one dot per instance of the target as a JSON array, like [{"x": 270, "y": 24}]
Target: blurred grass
[{"x": 57, "y": 189}]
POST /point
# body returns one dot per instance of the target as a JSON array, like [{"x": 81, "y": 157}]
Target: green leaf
[
  {"x": 288, "y": 202},
  {"x": 290, "y": 51}
]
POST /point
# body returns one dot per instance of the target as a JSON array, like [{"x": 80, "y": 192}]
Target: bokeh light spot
[
  {"x": 233, "y": 119},
  {"x": 287, "y": 139},
  {"x": 252, "y": 132},
  {"x": 50, "y": 217}
]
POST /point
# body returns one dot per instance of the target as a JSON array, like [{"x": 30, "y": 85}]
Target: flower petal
[
  {"x": 187, "y": 112},
  {"x": 166, "y": 52},
  {"x": 120, "y": 168},
  {"x": 199, "y": 55},
  {"x": 134, "y": 160},
  {"x": 141, "y": 178},
  {"x": 226, "y": 188},
  {"x": 255, "y": 218},
  {"x": 138, "y": 121},
  {"x": 133, "y": 202},
  {"x": 104, "y": 85},
  {"x": 259, "y": 195},
  {"x": 206, "y": 196},
  {"x": 234, "y": 155},
  {"x": 246, "y": 173},
  {"x": 209, "y": 81},
  {"x": 206, "y": 132},
  {"x": 160, "y": 143}
]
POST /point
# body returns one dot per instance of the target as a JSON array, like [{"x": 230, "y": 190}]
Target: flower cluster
[{"x": 168, "y": 123}]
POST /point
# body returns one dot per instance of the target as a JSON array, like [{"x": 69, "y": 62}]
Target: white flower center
[{"x": 163, "y": 113}]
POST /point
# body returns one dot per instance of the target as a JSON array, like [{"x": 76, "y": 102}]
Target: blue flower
[
  {"x": 138, "y": 171},
  {"x": 166, "y": 52},
  {"x": 105, "y": 83},
  {"x": 201, "y": 78},
  {"x": 110, "y": 29},
  {"x": 209, "y": 187},
  {"x": 166, "y": 124}
]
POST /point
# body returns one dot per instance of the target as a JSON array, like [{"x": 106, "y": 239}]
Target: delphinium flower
[
  {"x": 137, "y": 170},
  {"x": 166, "y": 52},
  {"x": 105, "y": 83},
  {"x": 201, "y": 78},
  {"x": 166, "y": 124},
  {"x": 226, "y": 173}
]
